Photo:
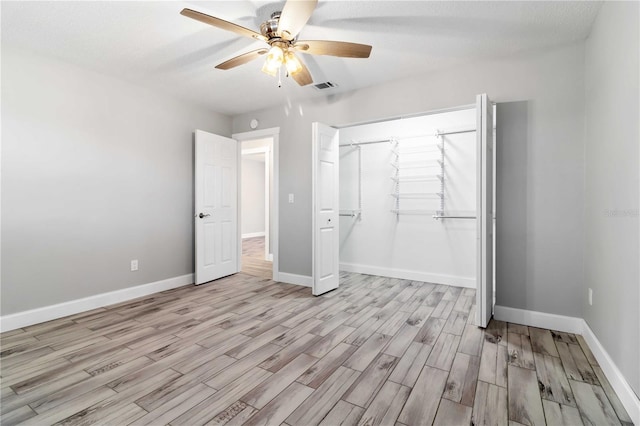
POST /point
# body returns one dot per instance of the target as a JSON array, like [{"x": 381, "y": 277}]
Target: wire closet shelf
[{"x": 432, "y": 170}]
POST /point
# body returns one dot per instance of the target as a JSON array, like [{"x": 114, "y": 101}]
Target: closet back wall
[{"x": 410, "y": 246}]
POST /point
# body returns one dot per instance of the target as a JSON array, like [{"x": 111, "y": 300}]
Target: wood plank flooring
[
  {"x": 246, "y": 350},
  {"x": 253, "y": 262}
]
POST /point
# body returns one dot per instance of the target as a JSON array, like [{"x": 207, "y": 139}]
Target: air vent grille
[{"x": 325, "y": 85}]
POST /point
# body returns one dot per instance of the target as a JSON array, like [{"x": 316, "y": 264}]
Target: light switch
[{"x": 290, "y": 198}]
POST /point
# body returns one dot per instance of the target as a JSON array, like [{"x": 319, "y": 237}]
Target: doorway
[
  {"x": 426, "y": 211},
  {"x": 258, "y": 177},
  {"x": 255, "y": 182}
]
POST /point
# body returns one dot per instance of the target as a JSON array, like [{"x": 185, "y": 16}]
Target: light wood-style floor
[
  {"x": 253, "y": 262},
  {"x": 244, "y": 350}
]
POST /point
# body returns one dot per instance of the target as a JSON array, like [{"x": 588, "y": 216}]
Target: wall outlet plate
[{"x": 134, "y": 265}]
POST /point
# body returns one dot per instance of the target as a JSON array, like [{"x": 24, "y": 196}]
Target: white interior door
[
  {"x": 484, "y": 194},
  {"x": 216, "y": 207},
  {"x": 326, "y": 240}
]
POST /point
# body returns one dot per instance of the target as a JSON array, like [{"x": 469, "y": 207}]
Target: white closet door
[
  {"x": 326, "y": 239},
  {"x": 216, "y": 207},
  {"x": 484, "y": 200}
]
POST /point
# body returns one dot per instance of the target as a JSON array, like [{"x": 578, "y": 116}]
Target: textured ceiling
[{"x": 151, "y": 44}]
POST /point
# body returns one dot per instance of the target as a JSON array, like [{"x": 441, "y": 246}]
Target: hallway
[{"x": 253, "y": 262}]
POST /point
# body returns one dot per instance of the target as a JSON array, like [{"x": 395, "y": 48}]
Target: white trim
[
  {"x": 314, "y": 183},
  {"x": 413, "y": 115},
  {"x": 274, "y": 133},
  {"x": 619, "y": 384},
  {"x": 238, "y": 205},
  {"x": 407, "y": 274},
  {"x": 256, "y": 134},
  {"x": 267, "y": 199},
  {"x": 48, "y": 313},
  {"x": 253, "y": 234},
  {"x": 538, "y": 319},
  {"x": 251, "y": 151},
  {"x": 575, "y": 325},
  {"x": 303, "y": 280}
]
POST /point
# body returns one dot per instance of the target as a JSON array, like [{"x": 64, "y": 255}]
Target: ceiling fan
[{"x": 280, "y": 33}]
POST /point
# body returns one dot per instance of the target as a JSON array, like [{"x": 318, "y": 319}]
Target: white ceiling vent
[{"x": 325, "y": 85}]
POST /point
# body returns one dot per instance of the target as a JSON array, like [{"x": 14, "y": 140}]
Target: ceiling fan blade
[
  {"x": 303, "y": 76},
  {"x": 241, "y": 59},
  {"x": 221, "y": 23},
  {"x": 295, "y": 15},
  {"x": 333, "y": 48}
]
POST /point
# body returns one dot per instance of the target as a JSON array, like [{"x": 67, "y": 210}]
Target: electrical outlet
[
  {"x": 590, "y": 297},
  {"x": 290, "y": 198},
  {"x": 134, "y": 265}
]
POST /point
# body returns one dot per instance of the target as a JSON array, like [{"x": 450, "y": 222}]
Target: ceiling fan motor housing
[{"x": 269, "y": 28}]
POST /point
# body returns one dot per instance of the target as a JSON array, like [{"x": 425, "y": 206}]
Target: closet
[
  {"x": 398, "y": 180},
  {"x": 415, "y": 199}
]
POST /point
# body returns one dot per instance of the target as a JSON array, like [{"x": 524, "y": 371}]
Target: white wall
[
  {"x": 410, "y": 246},
  {"x": 547, "y": 125},
  {"x": 253, "y": 193},
  {"x": 95, "y": 172},
  {"x": 612, "y": 222}
]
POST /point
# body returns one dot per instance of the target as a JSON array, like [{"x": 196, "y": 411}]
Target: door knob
[{"x": 202, "y": 215}]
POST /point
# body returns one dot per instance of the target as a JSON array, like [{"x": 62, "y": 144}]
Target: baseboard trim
[
  {"x": 407, "y": 274},
  {"x": 627, "y": 396},
  {"x": 575, "y": 325},
  {"x": 60, "y": 310},
  {"x": 538, "y": 319},
  {"x": 253, "y": 235},
  {"x": 303, "y": 280}
]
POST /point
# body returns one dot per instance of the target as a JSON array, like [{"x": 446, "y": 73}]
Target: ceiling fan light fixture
[
  {"x": 292, "y": 63},
  {"x": 275, "y": 58}
]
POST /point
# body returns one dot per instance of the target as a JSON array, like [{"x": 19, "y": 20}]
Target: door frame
[{"x": 274, "y": 133}]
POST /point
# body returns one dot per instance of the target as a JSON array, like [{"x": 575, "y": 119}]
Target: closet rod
[
  {"x": 354, "y": 213},
  {"x": 435, "y": 216},
  {"x": 455, "y": 133},
  {"x": 408, "y": 137},
  {"x": 367, "y": 142}
]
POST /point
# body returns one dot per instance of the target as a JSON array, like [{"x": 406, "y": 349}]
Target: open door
[
  {"x": 326, "y": 239},
  {"x": 484, "y": 194},
  {"x": 216, "y": 207}
]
